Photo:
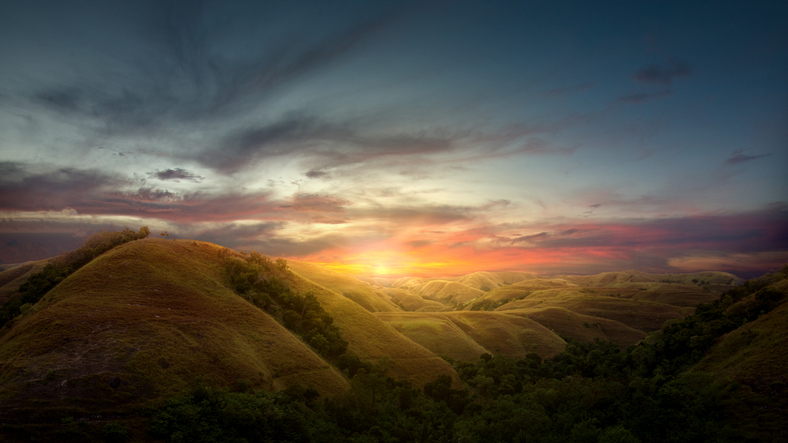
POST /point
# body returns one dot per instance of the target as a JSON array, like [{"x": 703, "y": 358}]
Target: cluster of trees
[
  {"x": 264, "y": 283},
  {"x": 61, "y": 267},
  {"x": 589, "y": 393}
]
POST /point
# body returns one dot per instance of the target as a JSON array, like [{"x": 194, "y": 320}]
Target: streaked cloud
[
  {"x": 663, "y": 73},
  {"x": 739, "y": 157},
  {"x": 440, "y": 137}
]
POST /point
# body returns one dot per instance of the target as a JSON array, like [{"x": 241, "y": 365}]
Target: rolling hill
[
  {"x": 143, "y": 321},
  {"x": 466, "y": 335},
  {"x": 153, "y": 317}
]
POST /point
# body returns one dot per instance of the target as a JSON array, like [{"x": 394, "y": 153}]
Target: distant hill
[
  {"x": 14, "y": 275},
  {"x": 466, "y": 335},
  {"x": 617, "y": 306}
]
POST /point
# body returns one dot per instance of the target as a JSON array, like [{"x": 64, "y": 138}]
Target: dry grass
[
  {"x": 461, "y": 335},
  {"x": 486, "y": 281},
  {"x": 370, "y": 338},
  {"x": 143, "y": 321},
  {"x": 753, "y": 359},
  {"x": 448, "y": 291},
  {"x": 754, "y": 353},
  {"x": 413, "y": 302},
  {"x": 638, "y": 314},
  {"x": 369, "y": 297},
  {"x": 581, "y": 327},
  {"x": 15, "y": 275}
]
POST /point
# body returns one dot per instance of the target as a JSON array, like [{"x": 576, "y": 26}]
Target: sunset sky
[{"x": 403, "y": 138}]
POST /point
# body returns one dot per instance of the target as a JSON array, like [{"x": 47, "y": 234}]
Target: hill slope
[
  {"x": 15, "y": 275},
  {"x": 466, "y": 335},
  {"x": 362, "y": 293},
  {"x": 142, "y": 321},
  {"x": 371, "y": 338}
]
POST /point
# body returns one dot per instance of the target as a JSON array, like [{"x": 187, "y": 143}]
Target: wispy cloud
[
  {"x": 177, "y": 174},
  {"x": 663, "y": 73},
  {"x": 642, "y": 97},
  {"x": 739, "y": 157}
]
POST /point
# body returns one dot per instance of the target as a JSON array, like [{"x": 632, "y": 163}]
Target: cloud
[
  {"x": 663, "y": 73},
  {"x": 177, "y": 174},
  {"x": 739, "y": 157},
  {"x": 316, "y": 203},
  {"x": 325, "y": 144},
  {"x": 583, "y": 87},
  {"x": 529, "y": 238},
  {"x": 642, "y": 97},
  {"x": 183, "y": 65},
  {"x": 315, "y": 173},
  {"x": 95, "y": 193},
  {"x": 540, "y": 146}
]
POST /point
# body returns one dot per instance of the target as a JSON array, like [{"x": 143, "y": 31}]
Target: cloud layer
[{"x": 425, "y": 137}]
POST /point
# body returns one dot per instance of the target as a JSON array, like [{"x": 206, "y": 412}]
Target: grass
[
  {"x": 370, "y": 299},
  {"x": 466, "y": 335},
  {"x": 752, "y": 362},
  {"x": 144, "y": 321},
  {"x": 13, "y": 276},
  {"x": 449, "y": 291},
  {"x": 582, "y": 327},
  {"x": 409, "y": 301},
  {"x": 370, "y": 338}
]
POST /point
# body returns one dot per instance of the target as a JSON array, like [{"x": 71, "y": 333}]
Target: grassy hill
[
  {"x": 585, "y": 328},
  {"x": 486, "y": 281},
  {"x": 368, "y": 336},
  {"x": 409, "y": 301},
  {"x": 145, "y": 320},
  {"x": 753, "y": 360},
  {"x": 370, "y": 298},
  {"x": 466, "y": 335},
  {"x": 13, "y": 276},
  {"x": 617, "y": 306}
]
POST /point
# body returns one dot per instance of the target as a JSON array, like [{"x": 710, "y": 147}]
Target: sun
[{"x": 381, "y": 270}]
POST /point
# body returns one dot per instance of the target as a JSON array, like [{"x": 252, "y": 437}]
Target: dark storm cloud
[
  {"x": 642, "y": 97},
  {"x": 663, "y": 73},
  {"x": 739, "y": 157},
  {"x": 177, "y": 174}
]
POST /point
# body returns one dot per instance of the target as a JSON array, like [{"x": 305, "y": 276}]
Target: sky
[{"x": 423, "y": 138}]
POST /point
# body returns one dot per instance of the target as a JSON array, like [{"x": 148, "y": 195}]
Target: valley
[{"x": 151, "y": 319}]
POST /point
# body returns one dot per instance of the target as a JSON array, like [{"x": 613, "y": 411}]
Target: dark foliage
[{"x": 264, "y": 283}]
